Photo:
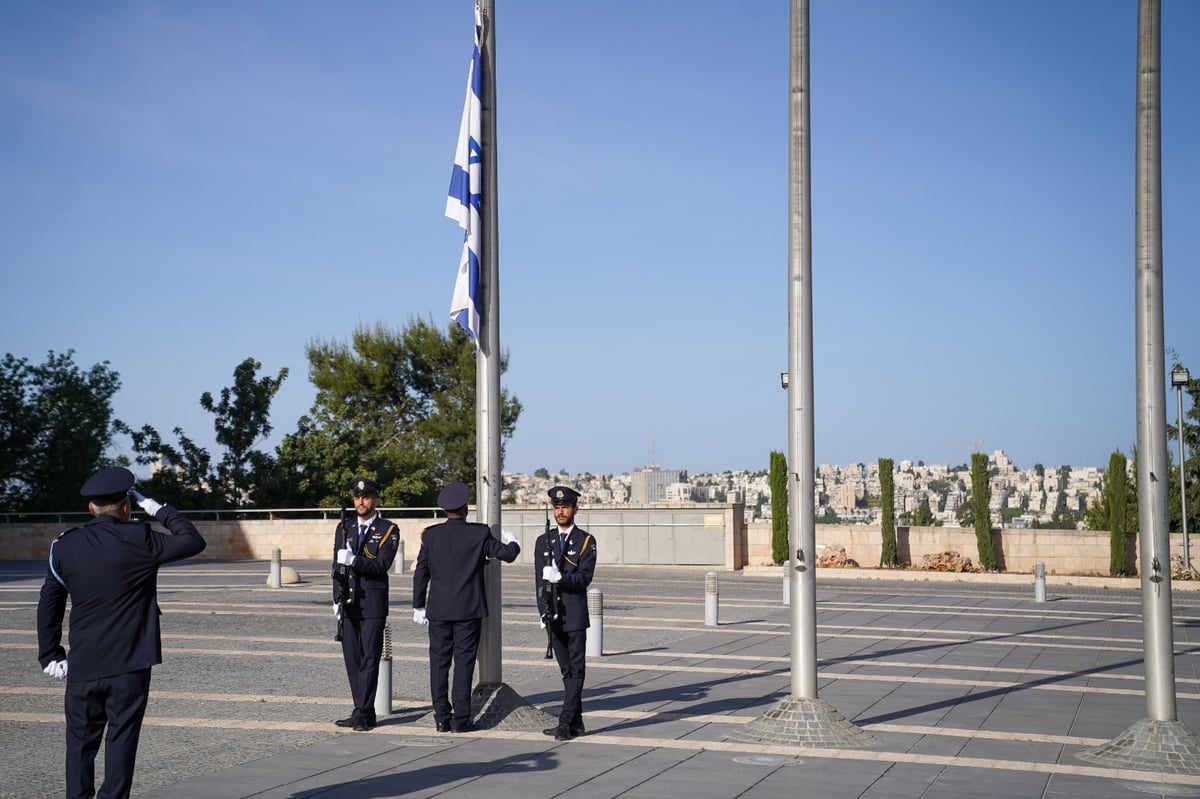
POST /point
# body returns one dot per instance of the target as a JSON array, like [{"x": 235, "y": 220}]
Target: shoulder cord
[
  {"x": 587, "y": 539},
  {"x": 382, "y": 541},
  {"x": 53, "y": 570}
]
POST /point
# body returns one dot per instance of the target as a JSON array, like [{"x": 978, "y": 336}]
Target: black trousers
[
  {"x": 457, "y": 641},
  {"x": 362, "y": 647},
  {"x": 118, "y": 702},
  {"x": 570, "y": 650}
]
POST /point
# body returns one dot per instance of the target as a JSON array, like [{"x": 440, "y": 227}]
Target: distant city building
[{"x": 651, "y": 484}]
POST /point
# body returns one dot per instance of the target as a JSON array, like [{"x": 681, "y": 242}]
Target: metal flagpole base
[
  {"x": 804, "y": 722},
  {"x": 1164, "y": 746}
]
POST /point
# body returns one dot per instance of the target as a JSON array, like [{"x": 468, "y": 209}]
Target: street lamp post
[{"x": 1180, "y": 378}]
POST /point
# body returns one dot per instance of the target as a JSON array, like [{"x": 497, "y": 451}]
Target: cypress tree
[
  {"x": 779, "y": 507},
  {"x": 1116, "y": 495},
  {"x": 887, "y": 489},
  {"x": 981, "y": 497}
]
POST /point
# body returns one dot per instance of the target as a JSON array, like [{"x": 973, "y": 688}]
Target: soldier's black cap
[
  {"x": 454, "y": 496},
  {"x": 363, "y": 486},
  {"x": 563, "y": 495},
  {"x": 108, "y": 485}
]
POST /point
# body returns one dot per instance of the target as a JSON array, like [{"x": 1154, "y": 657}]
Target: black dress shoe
[
  {"x": 443, "y": 726},
  {"x": 346, "y": 722},
  {"x": 360, "y": 726},
  {"x": 577, "y": 729},
  {"x": 561, "y": 733},
  {"x": 468, "y": 727}
]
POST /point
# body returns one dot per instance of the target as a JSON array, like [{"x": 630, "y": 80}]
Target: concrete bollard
[
  {"x": 1039, "y": 582},
  {"x": 787, "y": 583},
  {"x": 595, "y": 634},
  {"x": 275, "y": 580},
  {"x": 383, "y": 691},
  {"x": 711, "y": 597},
  {"x": 399, "y": 564}
]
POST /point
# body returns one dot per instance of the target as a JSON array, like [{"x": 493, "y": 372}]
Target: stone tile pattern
[
  {"x": 804, "y": 722},
  {"x": 1164, "y": 746}
]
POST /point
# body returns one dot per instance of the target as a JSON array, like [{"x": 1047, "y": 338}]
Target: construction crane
[{"x": 975, "y": 442}]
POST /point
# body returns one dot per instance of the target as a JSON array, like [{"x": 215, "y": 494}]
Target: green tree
[
  {"x": 922, "y": 516},
  {"x": 395, "y": 404},
  {"x": 1116, "y": 490},
  {"x": 780, "y": 551},
  {"x": 56, "y": 424},
  {"x": 887, "y": 499},
  {"x": 981, "y": 497},
  {"x": 185, "y": 475}
]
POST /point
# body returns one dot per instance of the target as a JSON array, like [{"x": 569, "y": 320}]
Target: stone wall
[
  {"x": 694, "y": 534},
  {"x": 1083, "y": 552}
]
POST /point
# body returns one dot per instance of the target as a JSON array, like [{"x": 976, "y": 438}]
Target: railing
[{"x": 227, "y": 514}]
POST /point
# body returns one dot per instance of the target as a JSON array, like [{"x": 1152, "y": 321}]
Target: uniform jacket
[
  {"x": 110, "y": 572},
  {"x": 372, "y": 561},
  {"x": 448, "y": 578},
  {"x": 577, "y": 562}
]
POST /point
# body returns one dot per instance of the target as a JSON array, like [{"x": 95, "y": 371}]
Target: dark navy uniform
[
  {"x": 568, "y": 621},
  {"x": 365, "y": 610},
  {"x": 448, "y": 587},
  {"x": 109, "y": 569}
]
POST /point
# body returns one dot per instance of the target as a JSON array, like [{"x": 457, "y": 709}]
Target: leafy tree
[
  {"x": 397, "y": 405},
  {"x": 184, "y": 474},
  {"x": 829, "y": 516},
  {"x": 541, "y": 472},
  {"x": 922, "y": 516},
  {"x": 887, "y": 498},
  {"x": 981, "y": 496},
  {"x": 780, "y": 551},
  {"x": 55, "y": 426}
]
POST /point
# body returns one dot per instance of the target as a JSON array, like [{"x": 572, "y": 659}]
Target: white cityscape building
[{"x": 850, "y": 493}]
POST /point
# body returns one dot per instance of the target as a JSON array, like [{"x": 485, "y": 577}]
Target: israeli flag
[{"x": 462, "y": 205}]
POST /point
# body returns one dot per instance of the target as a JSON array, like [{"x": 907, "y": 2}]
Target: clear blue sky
[{"x": 184, "y": 185}]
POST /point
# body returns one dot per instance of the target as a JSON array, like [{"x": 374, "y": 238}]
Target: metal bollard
[
  {"x": 399, "y": 564},
  {"x": 710, "y": 599},
  {"x": 383, "y": 691},
  {"x": 595, "y": 633},
  {"x": 1039, "y": 582},
  {"x": 276, "y": 570},
  {"x": 787, "y": 583}
]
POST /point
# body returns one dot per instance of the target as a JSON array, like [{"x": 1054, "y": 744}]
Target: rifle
[
  {"x": 549, "y": 592},
  {"x": 341, "y": 579}
]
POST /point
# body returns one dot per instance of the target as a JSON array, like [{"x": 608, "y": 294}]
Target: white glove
[
  {"x": 419, "y": 616},
  {"x": 337, "y": 611},
  {"x": 508, "y": 536},
  {"x": 345, "y": 557},
  {"x": 551, "y": 574},
  {"x": 150, "y": 506},
  {"x": 56, "y": 669},
  {"x": 542, "y": 624}
]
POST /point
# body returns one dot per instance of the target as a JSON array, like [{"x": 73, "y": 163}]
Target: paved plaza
[{"x": 964, "y": 689}]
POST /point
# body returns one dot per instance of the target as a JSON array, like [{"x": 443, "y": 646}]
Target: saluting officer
[
  {"x": 448, "y": 596},
  {"x": 566, "y": 557},
  {"x": 109, "y": 569},
  {"x": 366, "y": 546}
]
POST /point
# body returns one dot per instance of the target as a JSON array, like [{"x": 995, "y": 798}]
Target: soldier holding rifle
[
  {"x": 363, "y": 550},
  {"x": 564, "y": 560}
]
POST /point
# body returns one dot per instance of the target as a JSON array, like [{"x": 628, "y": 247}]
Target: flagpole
[{"x": 487, "y": 363}]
